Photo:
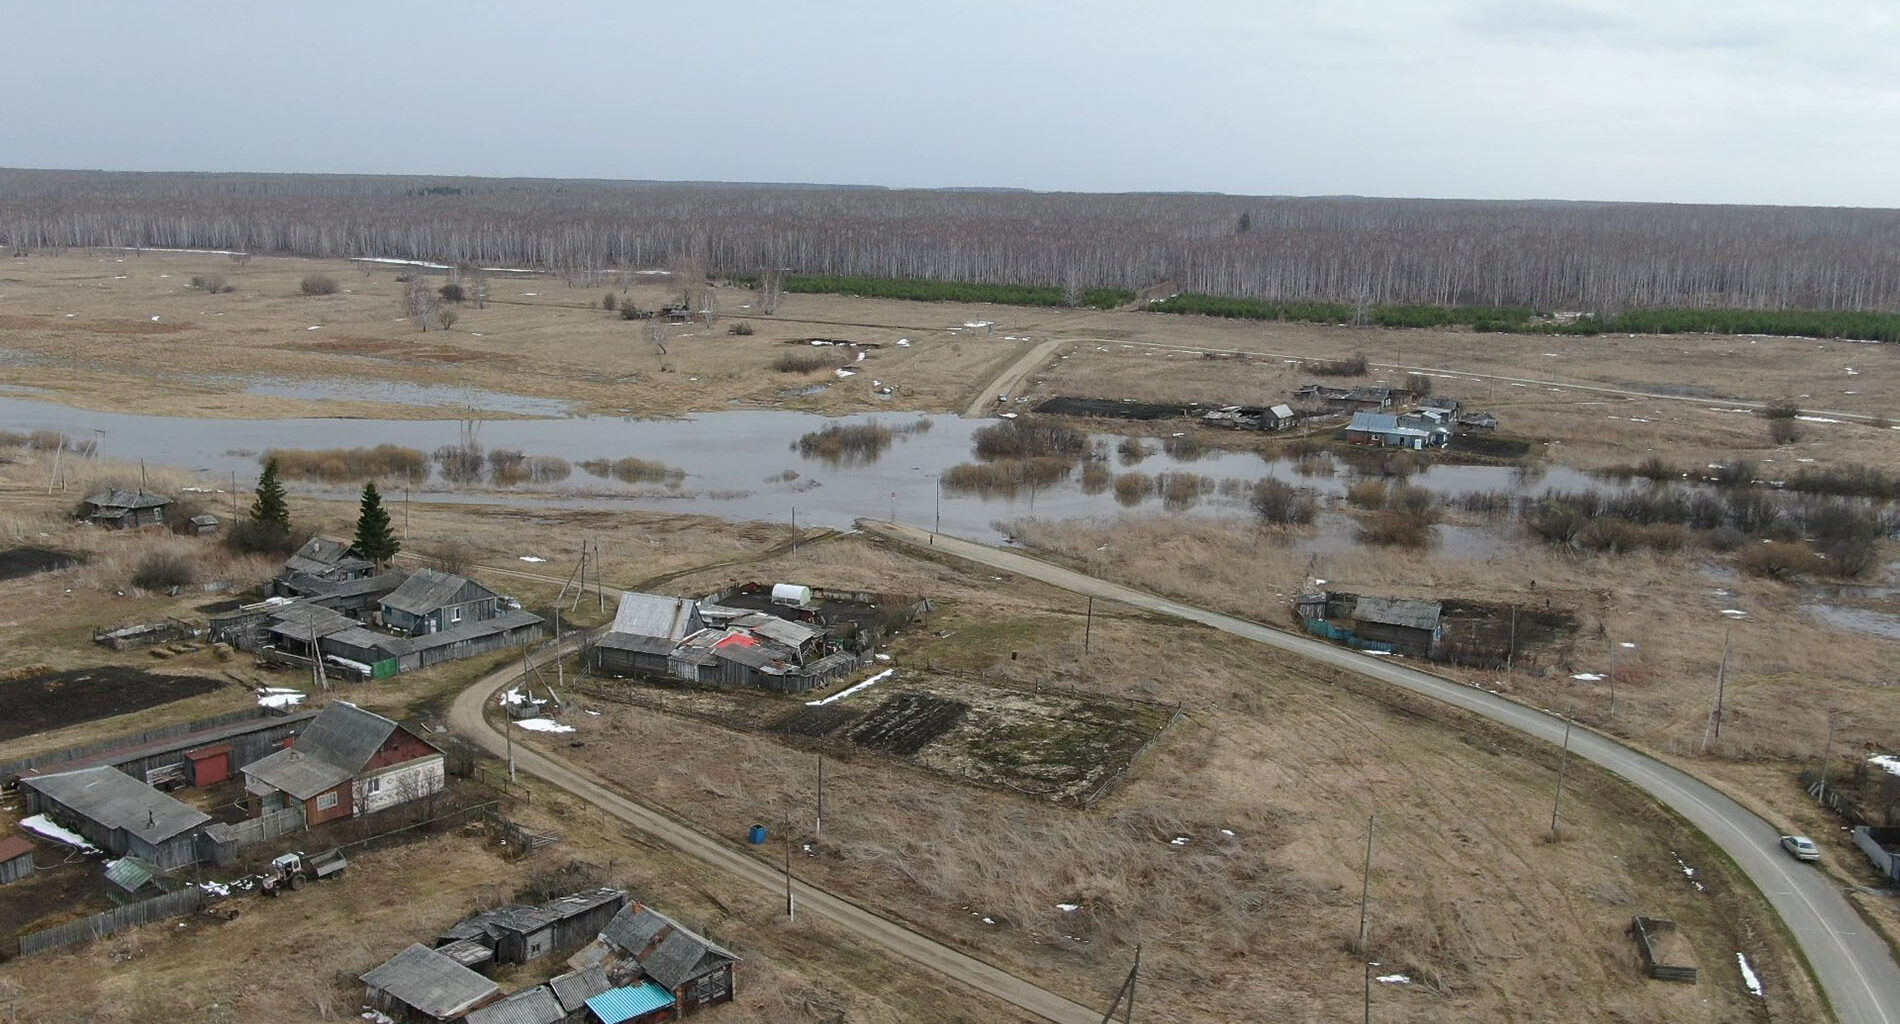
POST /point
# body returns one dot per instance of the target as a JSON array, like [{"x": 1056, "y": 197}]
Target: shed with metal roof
[
  {"x": 535, "y": 1005},
  {"x": 1413, "y": 627},
  {"x": 119, "y": 813},
  {"x": 16, "y": 858},
  {"x": 633, "y": 1004},
  {"x": 421, "y": 985}
]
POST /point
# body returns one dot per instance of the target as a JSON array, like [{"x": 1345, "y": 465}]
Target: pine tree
[
  {"x": 375, "y": 540},
  {"x": 270, "y": 509}
]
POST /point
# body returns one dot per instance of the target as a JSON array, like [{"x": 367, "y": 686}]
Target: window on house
[
  {"x": 326, "y": 801},
  {"x": 373, "y": 786},
  {"x": 455, "y": 615}
]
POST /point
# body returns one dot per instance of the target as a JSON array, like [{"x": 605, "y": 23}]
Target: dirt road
[
  {"x": 1010, "y": 380},
  {"x": 1852, "y": 963},
  {"x": 465, "y": 717}
]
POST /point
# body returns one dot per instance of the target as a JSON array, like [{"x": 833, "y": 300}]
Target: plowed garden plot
[
  {"x": 53, "y": 700},
  {"x": 18, "y": 562},
  {"x": 905, "y": 724},
  {"x": 814, "y": 722}
]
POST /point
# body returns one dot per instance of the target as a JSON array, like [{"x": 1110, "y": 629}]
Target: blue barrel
[{"x": 758, "y": 835}]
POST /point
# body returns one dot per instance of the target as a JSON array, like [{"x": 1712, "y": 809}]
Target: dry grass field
[{"x": 1232, "y": 851}]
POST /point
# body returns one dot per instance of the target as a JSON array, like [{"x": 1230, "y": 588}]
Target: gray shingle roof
[
  {"x": 322, "y": 557},
  {"x": 575, "y": 988},
  {"x": 117, "y": 498},
  {"x": 785, "y": 631},
  {"x": 296, "y": 772},
  {"x": 430, "y": 982},
  {"x": 117, "y": 800},
  {"x": 1392, "y": 611},
  {"x": 345, "y": 735},
  {"x": 682, "y": 957},
  {"x": 427, "y": 590},
  {"x": 634, "y": 927},
  {"x": 653, "y": 615},
  {"x": 536, "y": 1005}
]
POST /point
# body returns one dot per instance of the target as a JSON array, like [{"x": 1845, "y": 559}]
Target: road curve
[
  {"x": 1852, "y": 963},
  {"x": 1007, "y": 382},
  {"x": 465, "y": 717}
]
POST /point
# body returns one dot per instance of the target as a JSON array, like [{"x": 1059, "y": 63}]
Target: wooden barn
[
  {"x": 119, "y": 814},
  {"x": 16, "y": 858},
  {"x": 126, "y": 510},
  {"x": 695, "y": 971},
  {"x": 1411, "y": 627},
  {"x": 430, "y": 601},
  {"x": 420, "y": 986},
  {"x": 517, "y": 934}
]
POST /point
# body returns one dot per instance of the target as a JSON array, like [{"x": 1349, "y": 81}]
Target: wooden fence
[
  {"x": 118, "y": 919},
  {"x": 11, "y": 770},
  {"x": 221, "y": 842},
  {"x": 1644, "y": 929}
]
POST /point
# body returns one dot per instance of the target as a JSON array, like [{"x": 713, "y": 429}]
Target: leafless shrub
[
  {"x": 1186, "y": 448},
  {"x": 1015, "y": 439},
  {"x": 336, "y": 465},
  {"x": 319, "y": 284},
  {"x": 1356, "y": 366},
  {"x": 1133, "y": 450},
  {"x": 212, "y": 284},
  {"x": 643, "y": 471},
  {"x": 1096, "y": 477},
  {"x": 163, "y": 570},
  {"x": 809, "y": 361},
  {"x": 1133, "y": 488},
  {"x": 1280, "y": 503},
  {"x": 1780, "y": 560},
  {"x": 848, "y": 444}
]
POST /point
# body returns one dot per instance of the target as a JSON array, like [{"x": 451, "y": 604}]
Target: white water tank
[{"x": 791, "y": 593}]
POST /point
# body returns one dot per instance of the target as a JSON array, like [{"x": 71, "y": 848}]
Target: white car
[{"x": 1801, "y": 848}]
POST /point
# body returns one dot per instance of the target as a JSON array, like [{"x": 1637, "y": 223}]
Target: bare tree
[
  {"x": 771, "y": 289},
  {"x": 446, "y": 316},
  {"x": 419, "y": 300}
]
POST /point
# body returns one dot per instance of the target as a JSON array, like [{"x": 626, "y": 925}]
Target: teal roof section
[{"x": 623, "y": 1004}]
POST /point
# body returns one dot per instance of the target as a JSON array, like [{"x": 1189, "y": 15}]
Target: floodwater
[
  {"x": 399, "y": 393},
  {"x": 1828, "y": 603},
  {"x": 736, "y": 465}
]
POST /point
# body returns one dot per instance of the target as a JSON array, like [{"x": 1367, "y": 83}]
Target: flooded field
[{"x": 740, "y": 465}]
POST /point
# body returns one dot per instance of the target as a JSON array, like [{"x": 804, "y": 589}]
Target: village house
[
  {"x": 430, "y": 601},
  {"x": 695, "y": 972},
  {"x": 119, "y": 509},
  {"x": 1410, "y": 627},
  {"x": 16, "y": 858},
  {"x": 420, "y": 986},
  {"x": 702, "y": 643},
  {"x": 321, "y": 558},
  {"x": 516, "y": 934},
  {"x": 1390, "y": 431},
  {"x": 1351, "y": 399},
  {"x": 119, "y": 814},
  {"x": 347, "y": 763}
]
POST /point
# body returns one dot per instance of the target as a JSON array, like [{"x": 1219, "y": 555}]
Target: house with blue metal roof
[
  {"x": 1394, "y": 431},
  {"x": 633, "y": 1004}
]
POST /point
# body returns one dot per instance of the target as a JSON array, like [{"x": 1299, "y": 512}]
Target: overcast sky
[{"x": 1744, "y": 101}]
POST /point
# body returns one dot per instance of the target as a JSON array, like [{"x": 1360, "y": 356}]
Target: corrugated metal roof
[
  {"x": 1393, "y": 611},
  {"x": 654, "y": 615},
  {"x": 117, "y": 800},
  {"x": 468, "y": 952},
  {"x": 295, "y": 772},
  {"x": 575, "y": 988},
  {"x": 15, "y": 846},
  {"x": 634, "y": 927},
  {"x": 536, "y": 1005},
  {"x": 1284, "y": 412},
  {"x": 430, "y": 982},
  {"x": 682, "y": 957},
  {"x": 623, "y": 1004},
  {"x": 130, "y": 873},
  {"x": 785, "y": 631},
  {"x": 427, "y": 590},
  {"x": 321, "y": 556}
]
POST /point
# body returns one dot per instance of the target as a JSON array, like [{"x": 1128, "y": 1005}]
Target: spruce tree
[
  {"x": 375, "y": 540},
  {"x": 270, "y": 509}
]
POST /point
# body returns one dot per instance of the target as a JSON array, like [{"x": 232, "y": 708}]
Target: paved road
[
  {"x": 1852, "y": 963},
  {"x": 465, "y": 717},
  {"x": 1010, "y": 380}
]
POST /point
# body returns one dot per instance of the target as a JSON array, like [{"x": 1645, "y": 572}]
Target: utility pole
[
  {"x": 791, "y": 908},
  {"x": 1365, "y": 886},
  {"x": 1721, "y": 681},
  {"x": 234, "y": 510},
  {"x": 939, "y": 527},
  {"x": 599, "y": 587},
  {"x": 1612, "y": 642},
  {"x": 405, "y": 510},
  {"x": 57, "y": 452},
  {"x": 1826, "y": 749},
  {"x": 820, "y": 826},
  {"x": 794, "y": 530},
  {"x": 1563, "y": 763},
  {"x": 1510, "y": 656},
  {"x": 1088, "y": 625},
  {"x": 1368, "y": 992},
  {"x": 893, "y": 507},
  {"x": 1125, "y": 992}
]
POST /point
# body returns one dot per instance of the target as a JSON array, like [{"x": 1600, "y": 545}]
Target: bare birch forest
[{"x": 1595, "y": 257}]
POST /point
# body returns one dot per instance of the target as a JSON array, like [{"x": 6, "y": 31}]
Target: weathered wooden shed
[
  {"x": 1411, "y": 627},
  {"x": 430, "y": 601},
  {"x": 119, "y": 814},
  {"x": 535, "y": 1005},
  {"x": 16, "y": 858},
  {"x": 420, "y": 985},
  {"x": 697, "y": 972},
  {"x": 126, "y": 510}
]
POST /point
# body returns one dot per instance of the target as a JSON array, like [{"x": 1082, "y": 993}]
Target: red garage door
[{"x": 210, "y": 765}]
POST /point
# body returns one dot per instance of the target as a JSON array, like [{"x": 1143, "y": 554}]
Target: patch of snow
[
  {"x": 882, "y": 657},
  {"x": 979, "y": 323},
  {"x": 903, "y": 343},
  {"x": 989, "y": 920},
  {"x": 1748, "y": 975},
  {"x": 1007, "y": 415},
  {"x": 1227, "y": 832},
  {"x": 843, "y": 373},
  {"x": 532, "y": 558},
  {"x": 1687, "y": 872},
  {"x": 1807, "y": 419},
  {"x": 842, "y": 694},
  {"x": 513, "y": 696},
  {"x": 1588, "y": 677},
  {"x": 47, "y": 827},
  {"x": 314, "y": 327},
  {"x": 543, "y": 725},
  {"x": 861, "y": 356},
  {"x": 1626, "y": 643},
  {"x": 1068, "y": 908},
  {"x": 278, "y": 697},
  {"x": 1180, "y": 840},
  {"x": 1393, "y": 979},
  {"x": 1886, "y": 762},
  {"x": 1851, "y": 372},
  {"x": 215, "y": 888},
  {"x": 1734, "y": 613},
  {"x": 154, "y": 319},
  {"x": 596, "y": 714}
]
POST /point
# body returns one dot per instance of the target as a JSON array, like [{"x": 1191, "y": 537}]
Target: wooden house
[
  {"x": 348, "y": 762},
  {"x": 119, "y": 814},
  {"x": 126, "y": 510},
  {"x": 1411, "y": 627},
  {"x": 517, "y": 934},
  {"x": 696, "y": 972},
  {"x": 420, "y": 985},
  {"x": 430, "y": 601},
  {"x": 16, "y": 858}
]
